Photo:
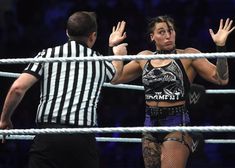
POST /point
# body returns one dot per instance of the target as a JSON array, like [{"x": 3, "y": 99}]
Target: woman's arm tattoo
[{"x": 222, "y": 69}]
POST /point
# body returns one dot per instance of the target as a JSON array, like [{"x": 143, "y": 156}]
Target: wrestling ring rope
[
  {"x": 28, "y": 134},
  {"x": 127, "y": 86},
  {"x": 114, "y": 139},
  {"x": 118, "y": 58}
]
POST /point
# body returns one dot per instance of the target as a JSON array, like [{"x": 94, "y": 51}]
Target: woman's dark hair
[
  {"x": 159, "y": 19},
  {"x": 82, "y": 24}
]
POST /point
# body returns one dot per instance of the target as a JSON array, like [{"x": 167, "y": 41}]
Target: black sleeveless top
[{"x": 167, "y": 83}]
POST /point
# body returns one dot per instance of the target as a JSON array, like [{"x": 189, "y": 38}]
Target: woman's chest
[{"x": 155, "y": 63}]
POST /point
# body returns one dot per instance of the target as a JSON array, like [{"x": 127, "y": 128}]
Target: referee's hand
[
  {"x": 5, "y": 125},
  {"x": 120, "y": 49}
]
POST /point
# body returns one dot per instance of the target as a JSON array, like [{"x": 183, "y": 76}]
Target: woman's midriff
[{"x": 164, "y": 104}]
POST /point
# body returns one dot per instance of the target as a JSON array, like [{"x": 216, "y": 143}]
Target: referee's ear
[
  {"x": 67, "y": 33},
  {"x": 91, "y": 39}
]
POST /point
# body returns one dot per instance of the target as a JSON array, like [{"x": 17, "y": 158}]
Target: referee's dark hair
[{"x": 81, "y": 24}]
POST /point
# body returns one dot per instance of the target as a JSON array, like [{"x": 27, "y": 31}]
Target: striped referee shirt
[{"x": 69, "y": 91}]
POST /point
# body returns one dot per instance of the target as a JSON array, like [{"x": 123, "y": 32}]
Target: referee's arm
[{"x": 14, "y": 97}]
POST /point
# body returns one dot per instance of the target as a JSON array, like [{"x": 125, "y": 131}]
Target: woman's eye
[{"x": 162, "y": 32}]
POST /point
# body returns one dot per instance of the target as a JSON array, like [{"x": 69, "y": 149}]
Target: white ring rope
[
  {"x": 136, "y": 87},
  {"x": 9, "y": 74},
  {"x": 117, "y": 129},
  {"x": 117, "y": 57},
  {"x": 138, "y": 140},
  {"x": 126, "y": 86},
  {"x": 116, "y": 139}
]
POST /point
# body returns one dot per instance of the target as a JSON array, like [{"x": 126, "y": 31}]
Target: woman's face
[{"x": 164, "y": 36}]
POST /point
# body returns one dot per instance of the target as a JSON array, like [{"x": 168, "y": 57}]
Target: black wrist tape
[
  {"x": 110, "y": 51},
  {"x": 221, "y": 48}
]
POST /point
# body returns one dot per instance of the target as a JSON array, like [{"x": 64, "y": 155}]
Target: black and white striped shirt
[{"x": 70, "y": 90}]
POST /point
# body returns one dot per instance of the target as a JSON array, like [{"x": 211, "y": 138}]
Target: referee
[{"x": 69, "y": 95}]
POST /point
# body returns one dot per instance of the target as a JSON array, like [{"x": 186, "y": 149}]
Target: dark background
[{"x": 28, "y": 26}]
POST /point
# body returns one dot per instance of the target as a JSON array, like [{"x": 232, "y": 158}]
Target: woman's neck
[{"x": 173, "y": 51}]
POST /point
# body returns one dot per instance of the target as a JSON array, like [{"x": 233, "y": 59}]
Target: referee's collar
[{"x": 80, "y": 42}]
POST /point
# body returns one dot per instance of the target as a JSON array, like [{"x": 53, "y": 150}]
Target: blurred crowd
[{"x": 28, "y": 26}]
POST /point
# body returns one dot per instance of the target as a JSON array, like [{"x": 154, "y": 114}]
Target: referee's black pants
[{"x": 64, "y": 151}]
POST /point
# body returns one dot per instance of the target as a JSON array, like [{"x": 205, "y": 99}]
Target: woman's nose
[{"x": 168, "y": 34}]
